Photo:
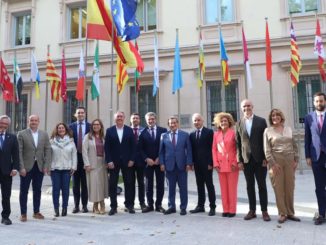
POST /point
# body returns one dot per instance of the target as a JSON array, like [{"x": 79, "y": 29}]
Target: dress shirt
[
  {"x": 248, "y": 122},
  {"x": 150, "y": 131},
  {"x": 175, "y": 136},
  {"x": 83, "y": 125},
  {"x": 35, "y": 137},
  {"x": 120, "y": 133}
]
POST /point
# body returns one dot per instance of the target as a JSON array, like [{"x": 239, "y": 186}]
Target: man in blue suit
[
  {"x": 9, "y": 165},
  {"x": 149, "y": 144},
  {"x": 79, "y": 129},
  {"x": 315, "y": 150},
  {"x": 176, "y": 159},
  {"x": 120, "y": 151}
]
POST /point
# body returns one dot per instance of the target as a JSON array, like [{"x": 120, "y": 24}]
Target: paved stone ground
[{"x": 155, "y": 228}]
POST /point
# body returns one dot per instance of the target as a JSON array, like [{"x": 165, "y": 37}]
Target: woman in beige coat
[{"x": 94, "y": 164}]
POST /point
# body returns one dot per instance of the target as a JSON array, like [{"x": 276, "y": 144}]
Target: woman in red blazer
[{"x": 225, "y": 161}]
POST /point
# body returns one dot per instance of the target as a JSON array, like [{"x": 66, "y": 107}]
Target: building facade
[{"x": 34, "y": 25}]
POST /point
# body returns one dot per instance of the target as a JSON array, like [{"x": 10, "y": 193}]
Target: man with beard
[{"x": 315, "y": 150}]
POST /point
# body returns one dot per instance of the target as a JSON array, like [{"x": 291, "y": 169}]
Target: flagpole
[
  {"x": 13, "y": 105},
  {"x": 46, "y": 97},
  {"x": 246, "y": 75},
  {"x": 178, "y": 91},
  {"x": 111, "y": 97},
  {"x": 84, "y": 102},
  {"x": 98, "y": 97},
  {"x": 199, "y": 72}
]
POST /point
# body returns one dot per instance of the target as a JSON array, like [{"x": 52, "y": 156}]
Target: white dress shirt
[
  {"x": 120, "y": 133},
  {"x": 248, "y": 122}
]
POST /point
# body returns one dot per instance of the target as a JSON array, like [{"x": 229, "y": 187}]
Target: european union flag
[
  {"x": 124, "y": 15},
  {"x": 177, "y": 75}
]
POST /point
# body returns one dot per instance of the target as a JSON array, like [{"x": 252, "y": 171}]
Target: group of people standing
[{"x": 94, "y": 159}]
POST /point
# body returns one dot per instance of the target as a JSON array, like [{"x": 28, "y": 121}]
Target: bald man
[
  {"x": 201, "y": 144},
  {"x": 35, "y": 158}
]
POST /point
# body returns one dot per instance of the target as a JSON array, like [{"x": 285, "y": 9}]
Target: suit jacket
[
  {"x": 90, "y": 153},
  {"x": 224, "y": 150},
  {"x": 202, "y": 148},
  {"x": 149, "y": 148},
  {"x": 117, "y": 152},
  {"x": 28, "y": 153},
  {"x": 253, "y": 145},
  {"x": 179, "y": 155},
  {"x": 74, "y": 126},
  {"x": 315, "y": 141},
  {"x": 9, "y": 154}
]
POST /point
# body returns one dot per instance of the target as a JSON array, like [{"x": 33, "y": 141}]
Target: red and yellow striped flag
[
  {"x": 54, "y": 79},
  {"x": 121, "y": 75},
  {"x": 295, "y": 58}
]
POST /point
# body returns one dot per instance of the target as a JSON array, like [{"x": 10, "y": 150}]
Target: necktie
[
  {"x": 152, "y": 133},
  {"x": 80, "y": 138},
  {"x": 136, "y": 134},
  {"x": 173, "y": 139},
  {"x": 320, "y": 122},
  {"x": 198, "y": 134},
  {"x": 1, "y": 140}
]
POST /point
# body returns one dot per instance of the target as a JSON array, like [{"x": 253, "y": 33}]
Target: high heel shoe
[
  {"x": 95, "y": 208},
  {"x": 56, "y": 212},
  {"x": 64, "y": 212},
  {"x": 102, "y": 207}
]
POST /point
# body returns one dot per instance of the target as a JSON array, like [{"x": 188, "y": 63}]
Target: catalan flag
[
  {"x": 226, "y": 78},
  {"x": 320, "y": 52},
  {"x": 6, "y": 86},
  {"x": 35, "y": 76},
  {"x": 295, "y": 58},
  {"x": 54, "y": 79},
  {"x": 121, "y": 75},
  {"x": 268, "y": 53},
  {"x": 201, "y": 65}
]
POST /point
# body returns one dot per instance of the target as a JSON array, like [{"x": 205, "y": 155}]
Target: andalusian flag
[
  {"x": 121, "y": 75},
  {"x": 18, "y": 81},
  {"x": 54, "y": 79},
  {"x": 295, "y": 58},
  {"x": 35, "y": 76},
  {"x": 226, "y": 78},
  {"x": 201, "y": 66},
  {"x": 95, "y": 86}
]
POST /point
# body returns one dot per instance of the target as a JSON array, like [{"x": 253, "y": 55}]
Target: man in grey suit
[
  {"x": 176, "y": 159},
  {"x": 251, "y": 157},
  {"x": 35, "y": 157}
]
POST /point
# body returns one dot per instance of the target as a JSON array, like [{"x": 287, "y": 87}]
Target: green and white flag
[{"x": 95, "y": 87}]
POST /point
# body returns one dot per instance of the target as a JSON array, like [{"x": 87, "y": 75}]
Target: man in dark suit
[
  {"x": 139, "y": 165},
  {"x": 251, "y": 157},
  {"x": 315, "y": 151},
  {"x": 201, "y": 143},
  {"x": 35, "y": 160},
  {"x": 176, "y": 159},
  {"x": 79, "y": 129},
  {"x": 9, "y": 165},
  {"x": 120, "y": 151},
  {"x": 149, "y": 142}
]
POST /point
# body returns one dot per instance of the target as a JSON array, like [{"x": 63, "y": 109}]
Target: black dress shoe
[
  {"x": 56, "y": 212},
  {"x": 64, "y": 212},
  {"x": 143, "y": 206},
  {"x": 130, "y": 210},
  {"x": 293, "y": 218},
  {"x": 75, "y": 210},
  {"x": 183, "y": 212},
  {"x": 170, "y": 211},
  {"x": 250, "y": 215},
  {"x": 6, "y": 221},
  {"x": 231, "y": 215},
  {"x": 147, "y": 209},
  {"x": 225, "y": 214},
  {"x": 197, "y": 210},
  {"x": 84, "y": 209},
  {"x": 160, "y": 209},
  {"x": 112, "y": 211},
  {"x": 319, "y": 220},
  {"x": 211, "y": 212}
]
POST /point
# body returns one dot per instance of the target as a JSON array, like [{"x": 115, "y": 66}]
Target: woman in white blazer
[{"x": 94, "y": 164}]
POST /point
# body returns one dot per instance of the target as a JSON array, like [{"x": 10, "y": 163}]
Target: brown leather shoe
[
  {"x": 23, "y": 218},
  {"x": 281, "y": 219},
  {"x": 266, "y": 216},
  {"x": 38, "y": 216},
  {"x": 250, "y": 215},
  {"x": 293, "y": 218}
]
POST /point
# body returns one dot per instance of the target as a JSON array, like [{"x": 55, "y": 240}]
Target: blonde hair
[{"x": 218, "y": 117}]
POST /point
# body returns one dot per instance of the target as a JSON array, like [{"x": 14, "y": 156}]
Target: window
[
  {"x": 77, "y": 22},
  {"x": 70, "y": 106},
  {"x": 303, "y": 6},
  {"x": 222, "y": 98},
  {"x": 218, "y": 11},
  {"x": 146, "y": 14},
  {"x": 20, "y": 120},
  {"x": 22, "y": 29},
  {"x": 146, "y": 102},
  {"x": 304, "y": 93}
]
